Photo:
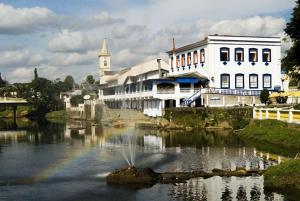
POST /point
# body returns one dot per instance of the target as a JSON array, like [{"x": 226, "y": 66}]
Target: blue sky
[{"x": 62, "y": 37}]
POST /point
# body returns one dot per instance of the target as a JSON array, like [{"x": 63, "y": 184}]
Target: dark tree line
[{"x": 292, "y": 60}]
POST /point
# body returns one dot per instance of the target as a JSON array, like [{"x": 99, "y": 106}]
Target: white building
[
  {"x": 233, "y": 65},
  {"x": 217, "y": 71}
]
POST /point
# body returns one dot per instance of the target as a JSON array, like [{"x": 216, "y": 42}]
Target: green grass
[
  {"x": 61, "y": 114},
  {"x": 273, "y": 132},
  {"x": 284, "y": 177}
]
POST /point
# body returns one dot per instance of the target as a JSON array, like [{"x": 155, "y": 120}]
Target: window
[
  {"x": 253, "y": 81},
  {"x": 177, "y": 61},
  {"x": 202, "y": 56},
  {"x": 225, "y": 81},
  {"x": 267, "y": 81},
  {"x": 266, "y": 55},
  {"x": 239, "y": 81},
  {"x": 189, "y": 59},
  {"x": 195, "y": 57},
  {"x": 239, "y": 54},
  {"x": 105, "y": 63},
  {"x": 172, "y": 59},
  {"x": 224, "y": 54},
  {"x": 252, "y": 54},
  {"x": 183, "y": 60}
]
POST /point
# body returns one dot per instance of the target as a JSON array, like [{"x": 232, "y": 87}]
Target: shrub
[
  {"x": 264, "y": 96},
  {"x": 75, "y": 100}
]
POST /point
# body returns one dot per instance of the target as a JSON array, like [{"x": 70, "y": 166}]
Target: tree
[
  {"x": 2, "y": 82},
  {"x": 77, "y": 99},
  {"x": 69, "y": 82},
  {"x": 90, "y": 79},
  {"x": 292, "y": 59},
  {"x": 43, "y": 95},
  {"x": 264, "y": 96},
  {"x": 35, "y": 74}
]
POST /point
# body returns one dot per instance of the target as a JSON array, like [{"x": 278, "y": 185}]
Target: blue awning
[{"x": 187, "y": 80}]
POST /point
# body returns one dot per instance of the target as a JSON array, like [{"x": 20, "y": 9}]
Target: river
[{"x": 70, "y": 161}]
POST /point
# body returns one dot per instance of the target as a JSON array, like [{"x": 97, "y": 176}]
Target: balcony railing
[{"x": 239, "y": 92}]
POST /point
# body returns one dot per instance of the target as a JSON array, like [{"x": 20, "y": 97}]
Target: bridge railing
[{"x": 9, "y": 99}]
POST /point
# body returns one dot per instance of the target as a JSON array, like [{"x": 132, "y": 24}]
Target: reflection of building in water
[
  {"x": 13, "y": 136},
  {"x": 153, "y": 143},
  {"x": 218, "y": 188}
]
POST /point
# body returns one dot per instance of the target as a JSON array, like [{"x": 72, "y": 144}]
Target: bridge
[{"x": 14, "y": 103}]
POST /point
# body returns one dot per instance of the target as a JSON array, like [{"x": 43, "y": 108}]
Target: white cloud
[
  {"x": 25, "y": 74},
  {"x": 73, "y": 59},
  {"x": 17, "y": 58},
  {"x": 24, "y": 20},
  {"x": 68, "y": 41}
]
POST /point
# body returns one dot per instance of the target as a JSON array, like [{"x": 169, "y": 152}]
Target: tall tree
[
  {"x": 2, "y": 82},
  {"x": 35, "y": 74},
  {"x": 90, "y": 79},
  {"x": 292, "y": 60},
  {"x": 69, "y": 82}
]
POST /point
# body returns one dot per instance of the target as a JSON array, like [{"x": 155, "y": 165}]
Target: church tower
[{"x": 104, "y": 61}]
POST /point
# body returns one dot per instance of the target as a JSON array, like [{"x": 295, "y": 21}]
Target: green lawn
[
  {"x": 273, "y": 132},
  {"x": 284, "y": 177}
]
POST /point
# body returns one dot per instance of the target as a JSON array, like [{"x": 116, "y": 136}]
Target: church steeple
[
  {"x": 104, "y": 50},
  {"x": 104, "y": 62}
]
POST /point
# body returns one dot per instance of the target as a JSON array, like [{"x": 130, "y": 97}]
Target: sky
[{"x": 63, "y": 37}]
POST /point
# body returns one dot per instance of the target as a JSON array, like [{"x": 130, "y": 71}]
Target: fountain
[{"x": 132, "y": 175}]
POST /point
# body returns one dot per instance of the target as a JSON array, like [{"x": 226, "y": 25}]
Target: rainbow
[{"x": 60, "y": 165}]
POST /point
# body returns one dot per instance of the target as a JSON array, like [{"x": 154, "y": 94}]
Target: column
[
  {"x": 278, "y": 114},
  {"x": 267, "y": 113},
  {"x": 290, "y": 116}
]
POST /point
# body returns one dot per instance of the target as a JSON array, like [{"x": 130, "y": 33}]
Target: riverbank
[
  {"x": 273, "y": 135},
  {"x": 284, "y": 177}
]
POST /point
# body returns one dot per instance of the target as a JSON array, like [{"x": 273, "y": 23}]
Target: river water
[{"x": 70, "y": 161}]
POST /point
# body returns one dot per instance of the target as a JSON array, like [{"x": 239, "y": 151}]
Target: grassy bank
[
  {"x": 274, "y": 134},
  {"x": 235, "y": 117},
  {"x": 284, "y": 177},
  {"x": 61, "y": 114}
]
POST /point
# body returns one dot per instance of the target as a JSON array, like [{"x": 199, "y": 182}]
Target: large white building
[
  {"x": 217, "y": 71},
  {"x": 230, "y": 62}
]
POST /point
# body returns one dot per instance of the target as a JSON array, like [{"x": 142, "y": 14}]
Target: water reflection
[{"x": 73, "y": 156}]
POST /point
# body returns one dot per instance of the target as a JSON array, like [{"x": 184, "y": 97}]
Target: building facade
[
  {"x": 217, "y": 71},
  {"x": 230, "y": 62}
]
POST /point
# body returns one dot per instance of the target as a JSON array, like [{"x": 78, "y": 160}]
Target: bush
[
  {"x": 297, "y": 107},
  {"x": 75, "y": 100},
  {"x": 264, "y": 96}
]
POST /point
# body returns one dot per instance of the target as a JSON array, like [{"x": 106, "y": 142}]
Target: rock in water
[{"x": 133, "y": 175}]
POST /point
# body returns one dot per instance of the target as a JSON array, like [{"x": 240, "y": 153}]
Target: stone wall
[{"x": 233, "y": 117}]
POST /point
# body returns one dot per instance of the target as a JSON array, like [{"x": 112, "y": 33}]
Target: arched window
[
  {"x": 177, "y": 61},
  {"x": 183, "y": 60},
  {"x": 225, "y": 81},
  {"x": 253, "y": 81},
  {"x": 266, "y": 55},
  {"x": 195, "y": 57},
  {"x": 202, "y": 56},
  {"x": 253, "y": 55},
  {"x": 189, "y": 59},
  {"x": 239, "y": 54},
  {"x": 224, "y": 54},
  {"x": 239, "y": 81}
]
